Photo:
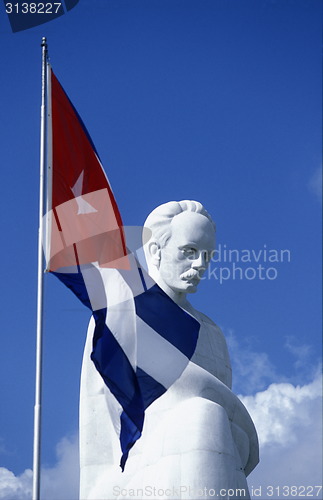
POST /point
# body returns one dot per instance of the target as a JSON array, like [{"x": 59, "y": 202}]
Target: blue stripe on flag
[
  {"x": 119, "y": 376},
  {"x": 150, "y": 391},
  {"x": 129, "y": 434},
  {"x": 75, "y": 282},
  {"x": 150, "y": 388},
  {"x": 161, "y": 313}
]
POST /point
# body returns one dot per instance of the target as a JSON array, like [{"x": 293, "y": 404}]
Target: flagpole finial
[{"x": 44, "y": 42}]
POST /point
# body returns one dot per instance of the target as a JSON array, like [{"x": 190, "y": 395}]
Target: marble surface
[{"x": 198, "y": 438}]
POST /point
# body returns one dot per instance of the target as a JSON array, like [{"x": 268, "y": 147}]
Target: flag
[
  {"x": 142, "y": 340},
  {"x": 83, "y": 223}
]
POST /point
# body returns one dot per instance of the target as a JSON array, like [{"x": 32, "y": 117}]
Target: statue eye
[{"x": 189, "y": 251}]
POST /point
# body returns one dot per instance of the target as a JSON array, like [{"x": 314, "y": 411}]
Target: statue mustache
[{"x": 192, "y": 274}]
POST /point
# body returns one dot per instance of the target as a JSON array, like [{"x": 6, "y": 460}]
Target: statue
[{"x": 198, "y": 439}]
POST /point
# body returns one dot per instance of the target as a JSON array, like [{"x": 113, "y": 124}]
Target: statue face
[{"x": 187, "y": 253}]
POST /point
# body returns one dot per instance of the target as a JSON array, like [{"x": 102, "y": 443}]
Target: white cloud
[
  {"x": 306, "y": 361},
  {"x": 315, "y": 184},
  {"x": 288, "y": 419},
  {"x": 287, "y": 415},
  {"x": 281, "y": 408},
  {"x": 300, "y": 351},
  {"x": 60, "y": 482},
  {"x": 15, "y": 487},
  {"x": 252, "y": 370}
]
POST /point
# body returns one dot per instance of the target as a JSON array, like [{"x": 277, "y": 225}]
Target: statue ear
[{"x": 154, "y": 253}]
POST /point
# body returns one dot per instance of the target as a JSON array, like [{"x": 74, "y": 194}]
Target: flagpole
[{"x": 40, "y": 284}]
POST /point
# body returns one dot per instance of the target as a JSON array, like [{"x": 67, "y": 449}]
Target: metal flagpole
[{"x": 40, "y": 287}]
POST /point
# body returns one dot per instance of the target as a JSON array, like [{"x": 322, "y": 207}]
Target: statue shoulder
[
  {"x": 203, "y": 318},
  {"x": 213, "y": 329}
]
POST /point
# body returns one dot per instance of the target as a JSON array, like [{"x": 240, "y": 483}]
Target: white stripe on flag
[
  {"x": 107, "y": 288},
  {"x": 158, "y": 357}
]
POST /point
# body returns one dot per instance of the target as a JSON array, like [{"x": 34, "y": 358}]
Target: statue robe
[{"x": 197, "y": 439}]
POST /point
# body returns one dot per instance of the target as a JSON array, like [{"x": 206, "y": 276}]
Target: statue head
[{"x": 180, "y": 247}]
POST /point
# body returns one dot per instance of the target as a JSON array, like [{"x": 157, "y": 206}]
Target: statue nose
[{"x": 200, "y": 261}]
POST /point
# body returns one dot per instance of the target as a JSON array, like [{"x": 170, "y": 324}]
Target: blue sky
[{"x": 218, "y": 101}]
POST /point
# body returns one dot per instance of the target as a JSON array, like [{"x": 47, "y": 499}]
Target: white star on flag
[{"x": 83, "y": 206}]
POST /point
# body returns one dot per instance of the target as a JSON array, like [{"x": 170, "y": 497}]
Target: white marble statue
[{"x": 198, "y": 439}]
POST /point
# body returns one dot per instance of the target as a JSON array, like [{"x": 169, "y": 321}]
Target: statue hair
[{"x": 159, "y": 220}]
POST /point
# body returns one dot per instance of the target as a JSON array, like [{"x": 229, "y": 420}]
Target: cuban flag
[{"x": 142, "y": 340}]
